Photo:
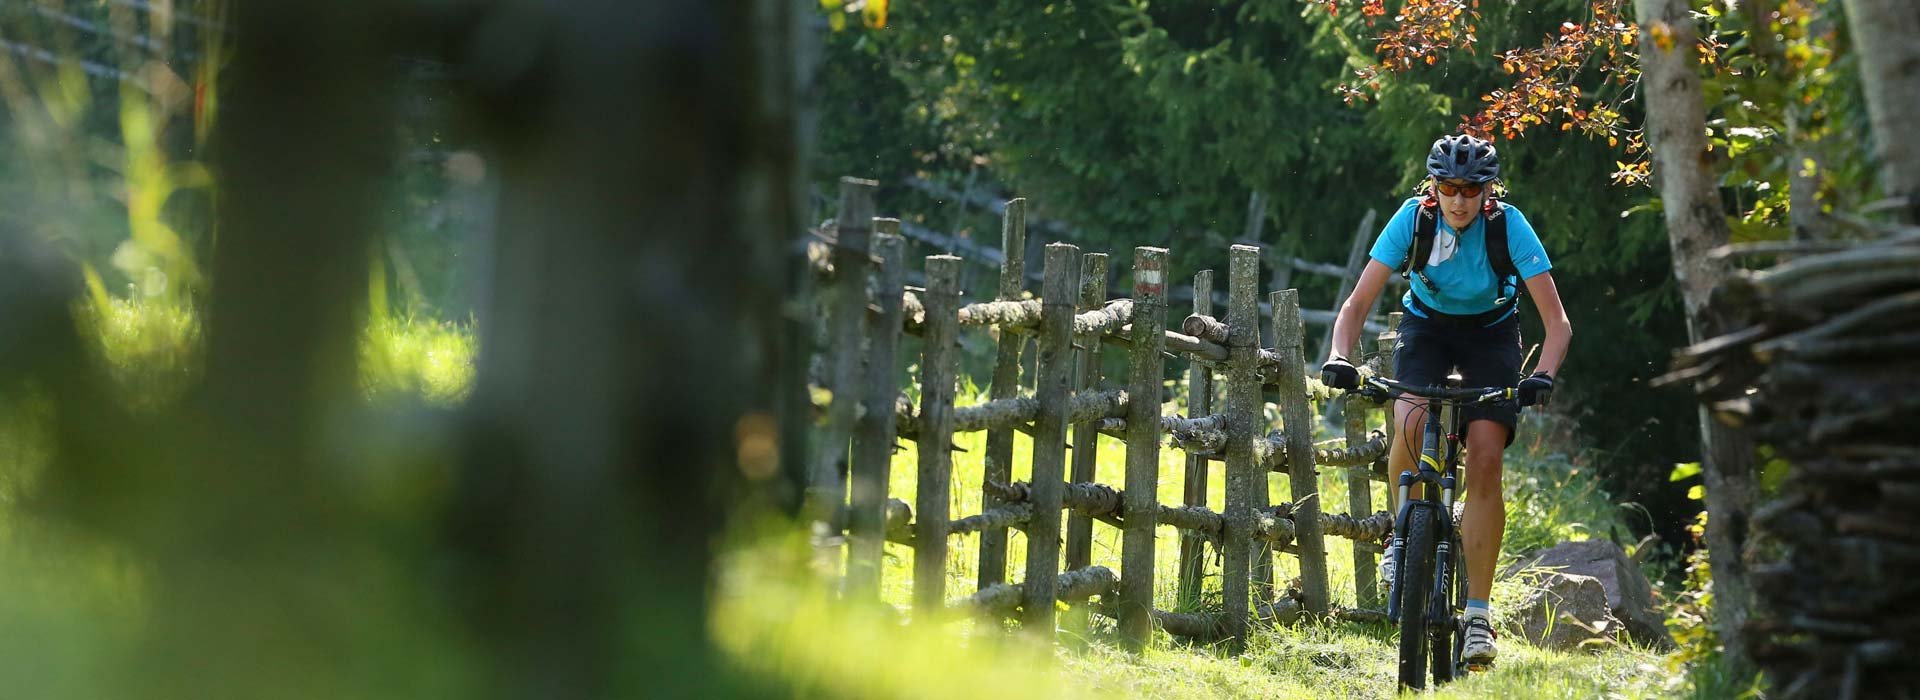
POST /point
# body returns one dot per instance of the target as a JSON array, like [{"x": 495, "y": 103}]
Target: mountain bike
[{"x": 1427, "y": 597}]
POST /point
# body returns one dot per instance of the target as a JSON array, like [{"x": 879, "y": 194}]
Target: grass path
[{"x": 789, "y": 631}]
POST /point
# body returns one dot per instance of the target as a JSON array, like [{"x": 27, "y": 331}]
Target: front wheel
[{"x": 1416, "y": 584}]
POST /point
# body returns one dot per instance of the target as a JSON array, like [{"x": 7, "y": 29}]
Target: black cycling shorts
[{"x": 1431, "y": 348}]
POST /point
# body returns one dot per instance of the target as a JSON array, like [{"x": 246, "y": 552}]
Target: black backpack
[{"x": 1426, "y": 224}]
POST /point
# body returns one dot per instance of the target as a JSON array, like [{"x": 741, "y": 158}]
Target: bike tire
[{"x": 1416, "y": 584}]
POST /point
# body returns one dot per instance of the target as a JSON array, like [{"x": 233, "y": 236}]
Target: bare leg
[
  {"x": 1404, "y": 454},
  {"x": 1485, "y": 521}
]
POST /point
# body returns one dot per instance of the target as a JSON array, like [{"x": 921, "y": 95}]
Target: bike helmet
[{"x": 1463, "y": 158}]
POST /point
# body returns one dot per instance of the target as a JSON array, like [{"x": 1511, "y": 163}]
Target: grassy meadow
[
  {"x": 796, "y": 631},
  {"x": 75, "y": 604}
]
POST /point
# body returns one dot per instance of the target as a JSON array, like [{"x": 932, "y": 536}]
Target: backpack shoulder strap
[
  {"x": 1425, "y": 224},
  {"x": 1498, "y": 253}
]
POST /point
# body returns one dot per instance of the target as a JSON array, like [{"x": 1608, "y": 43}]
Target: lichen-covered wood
[
  {"x": 999, "y": 600},
  {"x": 1086, "y": 434},
  {"x": 1371, "y": 528},
  {"x": 1301, "y": 476},
  {"x": 1081, "y": 584},
  {"x": 874, "y": 428},
  {"x": 1015, "y": 413},
  {"x": 853, "y": 229},
  {"x": 1245, "y": 425},
  {"x": 1055, "y": 387},
  {"x": 1360, "y": 492},
  {"x": 998, "y": 461},
  {"x": 1203, "y": 326},
  {"x": 1199, "y": 349},
  {"x": 937, "y": 388},
  {"x": 1204, "y": 435},
  {"x": 1275, "y": 531},
  {"x": 1143, "y": 445},
  {"x": 1198, "y": 520},
  {"x": 1002, "y": 313},
  {"x": 1272, "y": 452},
  {"x": 1097, "y": 501},
  {"x": 1003, "y": 600},
  {"x": 1105, "y": 319},
  {"x": 899, "y": 527},
  {"x": 1002, "y": 517}
]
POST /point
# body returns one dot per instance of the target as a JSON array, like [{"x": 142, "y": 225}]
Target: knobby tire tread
[{"x": 1416, "y": 584}]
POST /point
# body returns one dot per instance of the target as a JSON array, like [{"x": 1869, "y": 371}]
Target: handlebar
[{"x": 1381, "y": 389}]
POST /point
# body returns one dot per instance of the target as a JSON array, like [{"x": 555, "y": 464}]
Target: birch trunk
[
  {"x": 1883, "y": 38},
  {"x": 1696, "y": 224}
]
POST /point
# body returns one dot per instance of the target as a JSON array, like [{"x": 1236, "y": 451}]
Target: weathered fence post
[
  {"x": 1263, "y": 550},
  {"x": 1006, "y": 385},
  {"x": 874, "y": 431},
  {"x": 1055, "y": 370},
  {"x": 1143, "y": 445},
  {"x": 1297, "y": 420},
  {"x": 1199, "y": 403},
  {"x": 1360, "y": 504},
  {"x": 937, "y": 362},
  {"x": 1244, "y": 420},
  {"x": 852, "y": 230},
  {"x": 1086, "y": 436}
]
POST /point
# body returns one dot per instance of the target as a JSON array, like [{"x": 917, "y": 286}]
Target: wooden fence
[{"x": 1228, "y": 374}]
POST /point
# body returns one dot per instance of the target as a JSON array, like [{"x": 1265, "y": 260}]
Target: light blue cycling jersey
[{"x": 1458, "y": 264}]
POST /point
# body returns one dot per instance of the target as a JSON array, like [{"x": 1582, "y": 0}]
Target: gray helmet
[{"x": 1463, "y": 158}]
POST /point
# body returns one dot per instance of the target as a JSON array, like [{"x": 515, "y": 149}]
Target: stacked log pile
[{"x": 1825, "y": 367}]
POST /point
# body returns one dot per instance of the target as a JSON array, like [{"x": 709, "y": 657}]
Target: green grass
[
  {"x": 409, "y": 357},
  {"x": 793, "y": 633},
  {"x": 790, "y": 633}
]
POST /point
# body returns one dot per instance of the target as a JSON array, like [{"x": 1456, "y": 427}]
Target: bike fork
[
  {"x": 1440, "y": 609},
  {"x": 1398, "y": 546}
]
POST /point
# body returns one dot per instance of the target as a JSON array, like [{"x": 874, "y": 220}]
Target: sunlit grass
[
  {"x": 151, "y": 346},
  {"x": 432, "y": 360},
  {"x": 793, "y": 632}
]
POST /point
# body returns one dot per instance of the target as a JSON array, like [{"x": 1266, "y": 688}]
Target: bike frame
[{"x": 1437, "y": 472}]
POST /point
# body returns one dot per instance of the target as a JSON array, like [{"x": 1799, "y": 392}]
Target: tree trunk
[
  {"x": 1696, "y": 223},
  {"x": 642, "y": 164},
  {"x": 1883, "y": 38}
]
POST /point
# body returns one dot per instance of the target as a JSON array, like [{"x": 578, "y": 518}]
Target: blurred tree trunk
[
  {"x": 626, "y": 332},
  {"x": 1696, "y": 224},
  {"x": 230, "y": 499},
  {"x": 1885, "y": 38}
]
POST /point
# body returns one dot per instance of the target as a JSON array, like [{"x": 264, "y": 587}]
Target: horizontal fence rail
[{"x": 1059, "y": 335}]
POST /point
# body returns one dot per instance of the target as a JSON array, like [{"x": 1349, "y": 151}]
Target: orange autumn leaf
[{"x": 1662, "y": 36}]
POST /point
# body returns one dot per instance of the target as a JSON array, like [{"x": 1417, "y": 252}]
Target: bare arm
[
  {"x": 1346, "y": 327},
  {"x": 1546, "y": 300}
]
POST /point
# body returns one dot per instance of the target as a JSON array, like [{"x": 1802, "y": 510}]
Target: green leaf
[{"x": 1696, "y": 493}]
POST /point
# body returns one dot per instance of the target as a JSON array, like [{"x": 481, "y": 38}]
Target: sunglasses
[{"x": 1459, "y": 189}]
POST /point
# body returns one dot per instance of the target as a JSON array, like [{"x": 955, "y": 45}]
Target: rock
[
  {"x": 1629, "y": 596},
  {"x": 1564, "y": 610}
]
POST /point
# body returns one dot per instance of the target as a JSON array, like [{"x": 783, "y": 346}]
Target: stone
[
  {"x": 1562, "y": 611},
  {"x": 1629, "y": 595}
]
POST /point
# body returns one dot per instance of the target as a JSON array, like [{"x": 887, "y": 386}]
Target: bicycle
[{"x": 1427, "y": 596}]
